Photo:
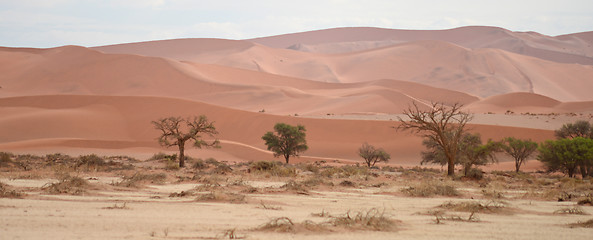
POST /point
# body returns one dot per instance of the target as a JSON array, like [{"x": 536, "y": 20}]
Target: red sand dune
[{"x": 110, "y": 122}]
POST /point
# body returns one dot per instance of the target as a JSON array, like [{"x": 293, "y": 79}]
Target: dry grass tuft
[
  {"x": 372, "y": 219},
  {"x": 440, "y": 216},
  {"x": 585, "y": 224},
  {"x": 429, "y": 189},
  {"x": 476, "y": 207},
  {"x": 68, "y": 185},
  {"x": 218, "y": 196},
  {"x": 295, "y": 187},
  {"x": 571, "y": 210},
  {"x": 281, "y": 224},
  {"x": 115, "y": 206},
  {"x": 6, "y": 192},
  {"x": 138, "y": 179}
]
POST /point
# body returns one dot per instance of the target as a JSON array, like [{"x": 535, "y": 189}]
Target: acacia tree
[
  {"x": 519, "y": 149},
  {"x": 441, "y": 124},
  {"x": 567, "y": 154},
  {"x": 572, "y": 130},
  {"x": 471, "y": 152},
  {"x": 372, "y": 155},
  {"x": 288, "y": 141},
  {"x": 176, "y": 131}
]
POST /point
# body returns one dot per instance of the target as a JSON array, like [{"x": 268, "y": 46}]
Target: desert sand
[{"x": 346, "y": 86}]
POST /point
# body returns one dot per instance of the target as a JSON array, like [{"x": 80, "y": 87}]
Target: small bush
[
  {"x": 473, "y": 206},
  {"x": 68, "y": 185},
  {"x": 296, "y": 187},
  {"x": 272, "y": 168},
  {"x": 217, "y": 196},
  {"x": 571, "y": 210},
  {"x": 281, "y": 224},
  {"x": 6, "y": 192},
  {"x": 138, "y": 178},
  {"x": 199, "y": 164},
  {"x": 5, "y": 159},
  {"x": 475, "y": 174},
  {"x": 585, "y": 224},
  {"x": 429, "y": 189},
  {"x": 372, "y": 219}
]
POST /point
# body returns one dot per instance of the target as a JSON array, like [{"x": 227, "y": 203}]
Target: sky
[{"x": 52, "y": 23}]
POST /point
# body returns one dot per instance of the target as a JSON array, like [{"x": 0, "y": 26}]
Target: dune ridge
[{"x": 478, "y": 70}]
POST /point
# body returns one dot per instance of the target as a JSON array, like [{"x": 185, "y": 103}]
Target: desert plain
[{"x": 82, "y": 160}]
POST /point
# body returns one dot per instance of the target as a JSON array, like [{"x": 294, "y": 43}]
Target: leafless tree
[
  {"x": 440, "y": 123},
  {"x": 175, "y": 131}
]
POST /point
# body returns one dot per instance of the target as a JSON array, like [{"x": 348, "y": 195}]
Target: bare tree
[
  {"x": 175, "y": 131},
  {"x": 372, "y": 155},
  {"x": 440, "y": 123}
]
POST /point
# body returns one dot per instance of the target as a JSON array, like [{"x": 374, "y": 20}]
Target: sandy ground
[{"x": 150, "y": 213}]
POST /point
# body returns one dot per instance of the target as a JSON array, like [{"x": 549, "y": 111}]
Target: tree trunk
[
  {"x": 181, "y": 154},
  {"x": 286, "y": 157},
  {"x": 517, "y": 165},
  {"x": 450, "y": 166}
]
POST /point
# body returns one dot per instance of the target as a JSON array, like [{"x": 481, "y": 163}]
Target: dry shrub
[
  {"x": 68, "y": 185},
  {"x": 115, "y": 206},
  {"x": 271, "y": 168},
  {"x": 585, "y": 224},
  {"x": 182, "y": 194},
  {"x": 6, "y": 192},
  {"x": 345, "y": 171},
  {"x": 429, "y": 189},
  {"x": 281, "y": 224},
  {"x": 268, "y": 207},
  {"x": 476, "y": 207},
  {"x": 372, "y": 219},
  {"x": 293, "y": 186},
  {"x": 138, "y": 179},
  {"x": 588, "y": 200},
  {"x": 6, "y": 159},
  {"x": 440, "y": 216},
  {"x": 219, "y": 196},
  {"x": 571, "y": 210},
  {"x": 286, "y": 225},
  {"x": 347, "y": 183},
  {"x": 315, "y": 181}
]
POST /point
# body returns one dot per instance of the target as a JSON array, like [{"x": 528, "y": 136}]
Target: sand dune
[
  {"x": 77, "y": 70},
  {"x": 565, "y": 49},
  {"x": 65, "y": 121},
  {"x": 521, "y": 102},
  {"x": 480, "y": 72}
]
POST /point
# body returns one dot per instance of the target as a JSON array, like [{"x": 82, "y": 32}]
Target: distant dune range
[{"x": 102, "y": 99}]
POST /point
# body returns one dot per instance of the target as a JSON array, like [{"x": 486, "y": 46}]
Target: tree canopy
[
  {"x": 287, "y": 140},
  {"x": 372, "y": 155},
  {"x": 519, "y": 149},
  {"x": 471, "y": 152},
  {"x": 176, "y": 131},
  {"x": 444, "y": 125},
  {"x": 567, "y": 155},
  {"x": 572, "y": 130}
]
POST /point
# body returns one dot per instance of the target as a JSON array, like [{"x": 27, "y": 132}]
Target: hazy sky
[{"x": 50, "y": 23}]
